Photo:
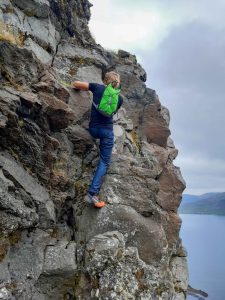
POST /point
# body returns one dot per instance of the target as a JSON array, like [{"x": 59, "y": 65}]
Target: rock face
[{"x": 52, "y": 244}]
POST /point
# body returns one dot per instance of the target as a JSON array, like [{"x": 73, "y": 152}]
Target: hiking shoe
[{"x": 95, "y": 200}]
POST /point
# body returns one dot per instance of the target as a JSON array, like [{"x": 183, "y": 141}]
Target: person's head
[{"x": 113, "y": 78}]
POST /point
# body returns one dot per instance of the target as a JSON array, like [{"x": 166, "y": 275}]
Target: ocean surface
[{"x": 204, "y": 238}]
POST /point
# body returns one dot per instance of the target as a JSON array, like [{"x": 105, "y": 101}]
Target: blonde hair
[{"x": 113, "y": 78}]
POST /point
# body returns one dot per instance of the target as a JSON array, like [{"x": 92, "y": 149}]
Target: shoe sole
[{"x": 98, "y": 205}]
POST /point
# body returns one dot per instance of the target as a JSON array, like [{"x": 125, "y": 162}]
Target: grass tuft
[{"x": 10, "y": 34}]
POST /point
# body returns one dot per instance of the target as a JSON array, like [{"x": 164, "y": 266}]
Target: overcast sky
[{"x": 181, "y": 45}]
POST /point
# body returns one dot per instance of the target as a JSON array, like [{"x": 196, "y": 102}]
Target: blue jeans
[{"x": 106, "y": 137}]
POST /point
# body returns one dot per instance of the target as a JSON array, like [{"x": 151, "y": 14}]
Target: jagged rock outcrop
[{"x": 52, "y": 244}]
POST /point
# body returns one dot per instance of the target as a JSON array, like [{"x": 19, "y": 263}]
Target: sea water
[{"x": 204, "y": 238}]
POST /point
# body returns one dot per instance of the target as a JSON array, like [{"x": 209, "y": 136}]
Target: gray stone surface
[
  {"x": 120, "y": 270},
  {"x": 40, "y": 53},
  {"x": 151, "y": 244},
  {"x": 121, "y": 118},
  {"x": 38, "y": 8},
  {"x": 12, "y": 59},
  {"x": 26, "y": 257},
  {"x": 14, "y": 202},
  {"x": 38, "y": 193},
  {"x": 89, "y": 74},
  {"x": 60, "y": 259},
  {"x": 40, "y": 30},
  {"x": 71, "y": 51},
  {"x": 110, "y": 244},
  {"x": 5, "y": 278},
  {"x": 180, "y": 273},
  {"x": 5, "y": 294},
  {"x": 119, "y": 138}
]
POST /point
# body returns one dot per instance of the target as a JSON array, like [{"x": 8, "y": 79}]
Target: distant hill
[{"x": 210, "y": 203}]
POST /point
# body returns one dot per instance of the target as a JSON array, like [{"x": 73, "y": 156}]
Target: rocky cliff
[{"x": 53, "y": 245}]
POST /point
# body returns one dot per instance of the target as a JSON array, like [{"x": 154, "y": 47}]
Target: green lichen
[
  {"x": 161, "y": 288},
  {"x": 21, "y": 123},
  {"x": 178, "y": 288}
]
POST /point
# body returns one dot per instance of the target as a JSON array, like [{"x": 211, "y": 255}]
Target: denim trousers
[{"x": 106, "y": 137}]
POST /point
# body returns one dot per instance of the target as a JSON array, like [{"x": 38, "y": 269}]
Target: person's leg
[{"x": 106, "y": 145}]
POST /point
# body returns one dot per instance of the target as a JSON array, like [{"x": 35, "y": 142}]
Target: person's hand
[
  {"x": 79, "y": 85},
  {"x": 73, "y": 86}
]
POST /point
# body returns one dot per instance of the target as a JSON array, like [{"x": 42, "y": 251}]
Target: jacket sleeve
[
  {"x": 92, "y": 87},
  {"x": 120, "y": 102}
]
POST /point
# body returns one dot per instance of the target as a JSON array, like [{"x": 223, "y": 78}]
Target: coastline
[{"x": 199, "y": 294}]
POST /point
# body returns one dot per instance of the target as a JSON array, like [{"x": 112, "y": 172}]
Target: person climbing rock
[{"x": 106, "y": 102}]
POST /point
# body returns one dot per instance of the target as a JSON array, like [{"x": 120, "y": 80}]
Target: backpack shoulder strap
[{"x": 96, "y": 105}]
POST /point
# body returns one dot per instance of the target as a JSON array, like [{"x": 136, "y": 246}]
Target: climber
[{"x": 101, "y": 127}]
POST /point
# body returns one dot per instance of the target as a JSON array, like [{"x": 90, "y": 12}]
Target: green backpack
[{"x": 109, "y": 103}]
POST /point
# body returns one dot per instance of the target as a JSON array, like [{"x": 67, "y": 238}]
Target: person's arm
[
  {"x": 120, "y": 102},
  {"x": 80, "y": 85}
]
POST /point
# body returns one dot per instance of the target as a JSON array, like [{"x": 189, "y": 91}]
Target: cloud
[
  {"x": 187, "y": 69},
  {"x": 181, "y": 46},
  {"x": 143, "y": 24},
  {"x": 125, "y": 28},
  {"x": 202, "y": 175}
]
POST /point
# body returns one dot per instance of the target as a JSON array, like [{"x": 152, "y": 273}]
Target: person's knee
[
  {"x": 106, "y": 161},
  {"x": 107, "y": 164}
]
